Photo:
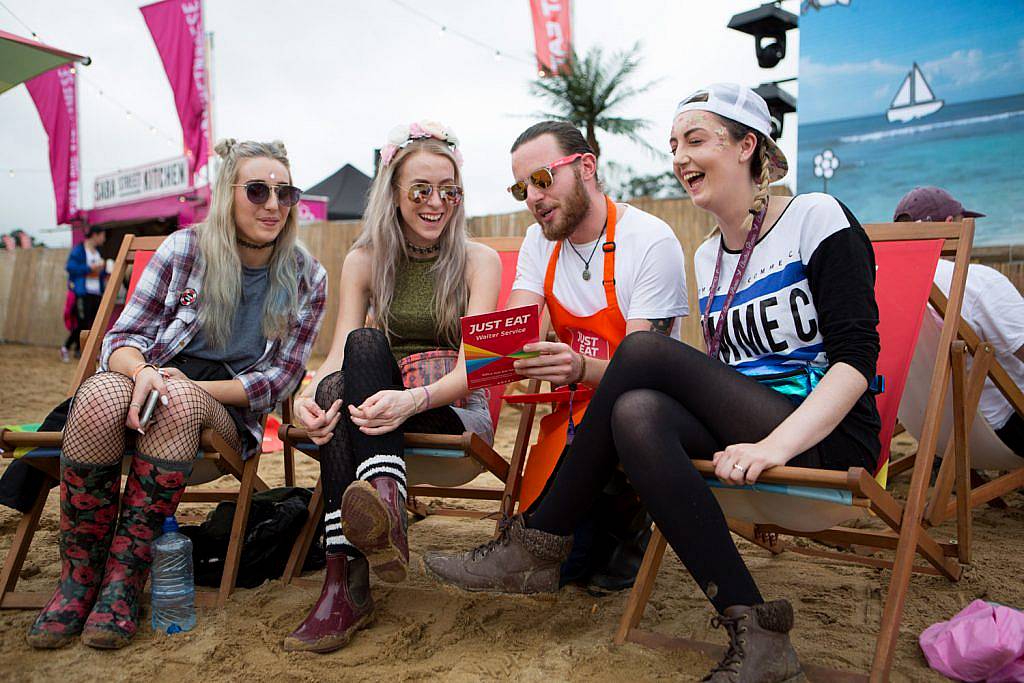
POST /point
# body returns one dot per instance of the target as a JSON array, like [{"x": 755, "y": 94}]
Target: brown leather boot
[
  {"x": 519, "y": 560},
  {"x": 374, "y": 520},
  {"x": 345, "y": 606},
  {"x": 759, "y": 648}
]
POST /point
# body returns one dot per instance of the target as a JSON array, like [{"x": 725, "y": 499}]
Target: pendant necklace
[{"x": 586, "y": 261}]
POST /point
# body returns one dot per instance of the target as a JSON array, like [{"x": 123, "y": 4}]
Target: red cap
[{"x": 931, "y": 204}]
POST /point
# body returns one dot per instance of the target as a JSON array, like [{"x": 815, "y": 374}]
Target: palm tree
[{"x": 586, "y": 93}]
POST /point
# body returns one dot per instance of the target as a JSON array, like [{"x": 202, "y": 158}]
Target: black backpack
[{"x": 275, "y": 521}]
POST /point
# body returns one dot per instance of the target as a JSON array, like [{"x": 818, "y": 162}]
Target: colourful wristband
[{"x": 140, "y": 367}]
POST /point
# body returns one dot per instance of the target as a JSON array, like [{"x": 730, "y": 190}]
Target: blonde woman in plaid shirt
[{"x": 220, "y": 325}]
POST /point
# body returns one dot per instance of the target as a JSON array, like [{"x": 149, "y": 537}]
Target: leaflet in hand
[{"x": 494, "y": 341}]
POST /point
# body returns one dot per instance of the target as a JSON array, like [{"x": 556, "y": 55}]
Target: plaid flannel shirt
[{"x": 162, "y": 317}]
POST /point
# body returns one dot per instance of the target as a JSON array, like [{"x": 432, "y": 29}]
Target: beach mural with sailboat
[{"x": 915, "y": 93}]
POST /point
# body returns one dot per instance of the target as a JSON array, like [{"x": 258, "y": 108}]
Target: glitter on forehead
[
  {"x": 692, "y": 119},
  {"x": 720, "y": 133},
  {"x": 273, "y": 176}
]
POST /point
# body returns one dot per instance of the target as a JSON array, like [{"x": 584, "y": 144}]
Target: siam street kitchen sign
[{"x": 142, "y": 182}]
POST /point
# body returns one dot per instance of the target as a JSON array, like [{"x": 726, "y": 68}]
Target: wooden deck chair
[
  {"x": 440, "y": 465},
  {"x": 42, "y": 451},
  {"x": 809, "y": 502},
  {"x": 985, "y": 449}
]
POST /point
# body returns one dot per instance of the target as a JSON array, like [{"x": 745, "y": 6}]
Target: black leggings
[
  {"x": 368, "y": 368},
  {"x": 85, "y": 310},
  {"x": 660, "y": 404}
]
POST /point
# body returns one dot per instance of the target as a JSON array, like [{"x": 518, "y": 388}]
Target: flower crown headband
[{"x": 401, "y": 136}]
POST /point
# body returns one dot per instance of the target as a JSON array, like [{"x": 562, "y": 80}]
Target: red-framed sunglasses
[{"x": 542, "y": 177}]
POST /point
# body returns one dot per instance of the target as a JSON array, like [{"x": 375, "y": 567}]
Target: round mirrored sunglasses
[{"x": 420, "y": 192}]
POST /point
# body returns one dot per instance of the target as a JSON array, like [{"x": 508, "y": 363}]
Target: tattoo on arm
[{"x": 662, "y": 325}]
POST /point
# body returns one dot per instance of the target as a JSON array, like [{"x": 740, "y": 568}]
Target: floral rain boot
[
  {"x": 88, "y": 508},
  {"x": 151, "y": 493}
]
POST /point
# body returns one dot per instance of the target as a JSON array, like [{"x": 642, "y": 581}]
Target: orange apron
[{"x": 597, "y": 336}]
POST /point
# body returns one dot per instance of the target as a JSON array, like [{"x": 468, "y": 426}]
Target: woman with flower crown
[
  {"x": 414, "y": 273},
  {"x": 220, "y": 326}
]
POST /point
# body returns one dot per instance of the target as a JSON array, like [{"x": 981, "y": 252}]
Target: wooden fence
[{"x": 33, "y": 281}]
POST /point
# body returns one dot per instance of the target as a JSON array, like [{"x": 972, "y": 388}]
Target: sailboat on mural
[{"x": 914, "y": 99}]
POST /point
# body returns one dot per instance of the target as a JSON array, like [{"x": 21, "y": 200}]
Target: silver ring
[
  {"x": 135, "y": 405},
  {"x": 738, "y": 467}
]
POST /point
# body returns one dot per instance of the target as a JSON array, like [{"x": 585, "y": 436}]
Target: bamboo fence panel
[{"x": 33, "y": 281}]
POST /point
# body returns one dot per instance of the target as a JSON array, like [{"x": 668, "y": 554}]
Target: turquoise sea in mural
[{"x": 973, "y": 149}]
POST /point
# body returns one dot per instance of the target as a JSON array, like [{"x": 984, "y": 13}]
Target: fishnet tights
[{"x": 95, "y": 432}]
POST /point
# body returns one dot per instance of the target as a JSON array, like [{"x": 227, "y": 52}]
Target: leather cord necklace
[{"x": 586, "y": 261}]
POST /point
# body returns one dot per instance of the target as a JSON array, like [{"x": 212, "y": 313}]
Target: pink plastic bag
[{"x": 984, "y": 642}]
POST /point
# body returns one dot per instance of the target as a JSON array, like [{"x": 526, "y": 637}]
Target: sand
[{"x": 426, "y": 631}]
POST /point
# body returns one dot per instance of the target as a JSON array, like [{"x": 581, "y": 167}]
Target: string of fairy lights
[{"x": 444, "y": 30}]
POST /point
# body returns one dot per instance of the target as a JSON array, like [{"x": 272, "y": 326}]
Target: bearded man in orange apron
[{"x": 603, "y": 270}]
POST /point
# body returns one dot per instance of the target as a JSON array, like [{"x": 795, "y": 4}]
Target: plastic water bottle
[{"x": 173, "y": 583}]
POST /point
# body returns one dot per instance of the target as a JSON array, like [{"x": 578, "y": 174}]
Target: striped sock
[
  {"x": 336, "y": 541},
  {"x": 383, "y": 466}
]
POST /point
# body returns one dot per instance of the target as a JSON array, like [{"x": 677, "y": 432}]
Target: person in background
[
  {"x": 992, "y": 306},
  {"x": 87, "y": 278}
]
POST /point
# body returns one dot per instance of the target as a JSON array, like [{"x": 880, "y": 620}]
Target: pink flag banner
[
  {"x": 552, "y": 34},
  {"x": 55, "y": 96},
  {"x": 177, "y": 30}
]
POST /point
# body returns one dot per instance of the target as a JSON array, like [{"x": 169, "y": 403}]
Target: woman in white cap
[{"x": 790, "y": 328}]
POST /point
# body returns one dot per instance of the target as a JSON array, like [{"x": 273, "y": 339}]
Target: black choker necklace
[
  {"x": 253, "y": 245},
  {"x": 422, "y": 251}
]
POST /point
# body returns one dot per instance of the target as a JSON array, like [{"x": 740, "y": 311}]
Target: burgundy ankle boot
[
  {"x": 88, "y": 508},
  {"x": 374, "y": 520},
  {"x": 151, "y": 493},
  {"x": 345, "y": 606}
]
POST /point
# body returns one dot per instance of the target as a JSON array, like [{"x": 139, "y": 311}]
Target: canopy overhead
[
  {"x": 24, "y": 58},
  {"x": 346, "y": 190}
]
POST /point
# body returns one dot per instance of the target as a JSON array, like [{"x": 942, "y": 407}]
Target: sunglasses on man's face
[
  {"x": 258, "y": 192},
  {"x": 420, "y": 192},
  {"x": 542, "y": 177}
]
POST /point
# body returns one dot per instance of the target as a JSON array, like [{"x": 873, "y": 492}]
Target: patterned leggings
[
  {"x": 368, "y": 368},
  {"x": 95, "y": 433}
]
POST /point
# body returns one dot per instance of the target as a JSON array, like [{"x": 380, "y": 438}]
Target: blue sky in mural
[
  {"x": 966, "y": 50},
  {"x": 889, "y": 135}
]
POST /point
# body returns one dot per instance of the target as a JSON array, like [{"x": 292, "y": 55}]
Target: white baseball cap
[{"x": 736, "y": 103}]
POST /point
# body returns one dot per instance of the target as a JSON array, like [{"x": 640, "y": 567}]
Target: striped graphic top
[{"x": 772, "y": 326}]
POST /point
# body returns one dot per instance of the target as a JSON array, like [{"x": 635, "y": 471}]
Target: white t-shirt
[
  {"x": 995, "y": 310},
  {"x": 773, "y": 322},
  {"x": 650, "y": 275},
  {"x": 92, "y": 280}
]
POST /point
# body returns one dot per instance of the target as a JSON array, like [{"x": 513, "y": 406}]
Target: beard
[{"x": 572, "y": 210}]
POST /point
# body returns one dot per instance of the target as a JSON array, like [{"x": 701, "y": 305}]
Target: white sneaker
[{"x": 65, "y": 355}]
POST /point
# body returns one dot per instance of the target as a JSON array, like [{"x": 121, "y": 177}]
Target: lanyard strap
[{"x": 714, "y": 341}]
